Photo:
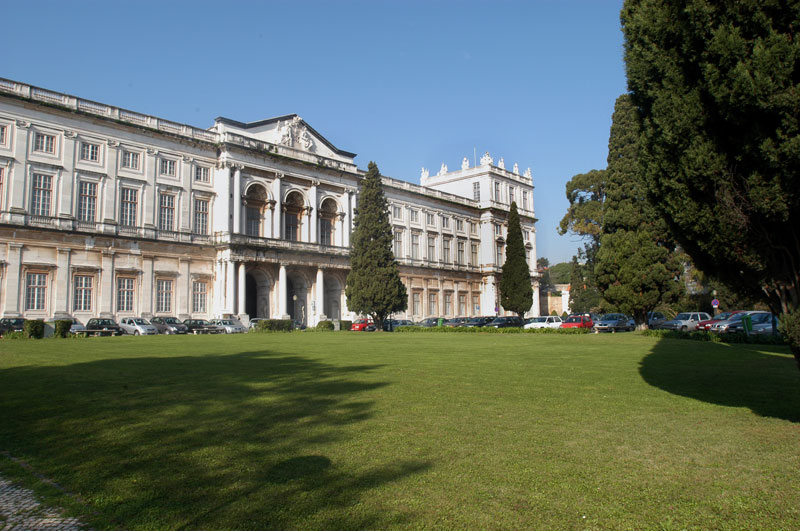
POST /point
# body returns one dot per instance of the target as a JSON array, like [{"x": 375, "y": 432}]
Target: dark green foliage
[
  {"x": 62, "y": 327},
  {"x": 716, "y": 88},
  {"x": 516, "y": 293},
  {"x": 490, "y": 330},
  {"x": 33, "y": 328},
  {"x": 325, "y": 325},
  {"x": 559, "y": 273},
  {"x": 373, "y": 286},
  {"x": 345, "y": 325},
  {"x": 586, "y": 194},
  {"x": 636, "y": 268},
  {"x": 583, "y": 294},
  {"x": 718, "y": 338},
  {"x": 15, "y": 335},
  {"x": 274, "y": 325}
]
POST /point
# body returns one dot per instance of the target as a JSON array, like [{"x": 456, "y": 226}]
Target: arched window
[
  {"x": 254, "y": 201},
  {"x": 327, "y": 218},
  {"x": 292, "y": 210}
]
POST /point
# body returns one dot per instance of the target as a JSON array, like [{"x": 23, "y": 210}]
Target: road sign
[{"x": 715, "y": 303}]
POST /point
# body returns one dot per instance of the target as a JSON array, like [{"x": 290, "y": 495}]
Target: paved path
[{"x": 19, "y": 510}]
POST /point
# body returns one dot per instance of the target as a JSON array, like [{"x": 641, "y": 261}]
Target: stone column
[
  {"x": 313, "y": 218},
  {"x": 241, "y": 299},
  {"x": 320, "y": 296},
  {"x": 282, "y": 293},
  {"x": 149, "y": 201},
  {"x": 230, "y": 293},
  {"x": 147, "y": 287},
  {"x": 277, "y": 210},
  {"x": 12, "y": 277},
  {"x": 106, "y": 283},
  {"x": 183, "y": 285},
  {"x": 61, "y": 287},
  {"x": 65, "y": 181},
  {"x": 16, "y": 186},
  {"x": 237, "y": 200}
]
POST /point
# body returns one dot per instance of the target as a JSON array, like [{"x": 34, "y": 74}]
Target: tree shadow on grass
[
  {"x": 764, "y": 379},
  {"x": 233, "y": 441}
]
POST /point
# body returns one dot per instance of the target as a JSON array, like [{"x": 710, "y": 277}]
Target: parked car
[
  {"x": 655, "y": 319},
  {"x": 201, "y": 326},
  {"x": 766, "y": 328},
  {"x": 709, "y": 323},
  {"x": 77, "y": 327},
  {"x": 613, "y": 322},
  {"x": 577, "y": 321},
  {"x": 478, "y": 322},
  {"x": 169, "y": 325},
  {"x": 11, "y": 324},
  {"x": 229, "y": 326},
  {"x": 722, "y": 326},
  {"x": 685, "y": 321},
  {"x": 455, "y": 322},
  {"x": 103, "y": 327},
  {"x": 545, "y": 321},
  {"x": 762, "y": 320},
  {"x": 137, "y": 326},
  {"x": 391, "y": 324},
  {"x": 430, "y": 322},
  {"x": 254, "y": 322},
  {"x": 362, "y": 325},
  {"x": 509, "y": 321}
]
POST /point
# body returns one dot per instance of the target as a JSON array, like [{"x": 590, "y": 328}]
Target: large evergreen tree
[
  {"x": 516, "y": 293},
  {"x": 716, "y": 88},
  {"x": 636, "y": 267},
  {"x": 373, "y": 286}
]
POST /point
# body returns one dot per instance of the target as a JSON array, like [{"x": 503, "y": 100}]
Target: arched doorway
[
  {"x": 255, "y": 201},
  {"x": 333, "y": 297},
  {"x": 257, "y": 287},
  {"x": 327, "y": 221},
  {"x": 297, "y": 291},
  {"x": 293, "y": 208}
]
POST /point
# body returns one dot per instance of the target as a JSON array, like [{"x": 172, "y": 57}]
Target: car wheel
[
  {"x": 684, "y": 328},
  {"x": 136, "y": 333}
]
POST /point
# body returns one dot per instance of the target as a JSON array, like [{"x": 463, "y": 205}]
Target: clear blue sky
[{"x": 406, "y": 84}]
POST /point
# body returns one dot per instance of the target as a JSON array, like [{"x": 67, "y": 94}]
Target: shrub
[
  {"x": 325, "y": 325},
  {"x": 33, "y": 328},
  {"x": 14, "y": 335},
  {"x": 62, "y": 327},
  {"x": 717, "y": 338},
  {"x": 345, "y": 325},
  {"x": 275, "y": 325},
  {"x": 490, "y": 330}
]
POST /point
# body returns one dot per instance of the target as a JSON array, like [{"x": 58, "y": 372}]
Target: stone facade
[{"x": 109, "y": 212}]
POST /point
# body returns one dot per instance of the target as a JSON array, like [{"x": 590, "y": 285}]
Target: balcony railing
[{"x": 273, "y": 243}]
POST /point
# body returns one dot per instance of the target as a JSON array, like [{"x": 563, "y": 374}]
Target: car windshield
[
  {"x": 611, "y": 317},
  {"x": 103, "y": 322},
  {"x": 761, "y": 318},
  {"x": 737, "y": 317},
  {"x": 14, "y": 322},
  {"x": 683, "y": 317},
  {"x": 139, "y": 321},
  {"x": 226, "y": 322},
  {"x": 171, "y": 320},
  {"x": 723, "y": 316},
  {"x": 574, "y": 319},
  {"x": 538, "y": 319}
]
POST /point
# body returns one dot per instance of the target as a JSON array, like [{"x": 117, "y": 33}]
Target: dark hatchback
[
  {"x": 201, "y": 326},
  {"x": 510, "y": 321},
  {"x": 11, "y": 324},
  {"x": 477, "y": 322},
  {"x": 103, "y": 327}
]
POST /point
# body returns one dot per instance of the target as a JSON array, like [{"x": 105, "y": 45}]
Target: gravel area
[{"x": 20, "y": 510}]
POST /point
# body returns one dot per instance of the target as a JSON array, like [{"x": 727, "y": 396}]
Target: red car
[
  {"x": 578, "y": 321},
  {"x": 362, "y": 325},
  {"x": 724, "y": 316}
]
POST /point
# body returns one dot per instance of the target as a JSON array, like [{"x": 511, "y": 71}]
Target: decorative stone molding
[
  {"x": 442, "y": 169},
  {"x": 486, "y": 159},
  {"x": 152, "y": 151},
  {"x": 501, "y": 163},
  {"x": 424, "y": 174},
  {"x": 187, "y": 158},
  {"x": 516, "y": 168},
  {"x": 528, "y": 172},
  {"x": 113, "y": 143},
  {"x": 23, "y": 124},
  {"x": 70, "y": 134},
  {"x": 464, "y": 163}
]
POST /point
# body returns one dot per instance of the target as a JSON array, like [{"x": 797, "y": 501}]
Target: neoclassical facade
[{"x": 113, "y": 213}]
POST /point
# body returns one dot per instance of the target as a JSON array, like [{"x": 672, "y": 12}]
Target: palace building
[{"x": 106, "y": 212}]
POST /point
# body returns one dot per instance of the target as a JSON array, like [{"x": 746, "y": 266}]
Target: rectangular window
[
  {"x": 166, "y": 212},
  {"x": 130, "y": 160},
  {"x": 460, "y": 225},
  {"x": 498, "y": 229},
  {"x": 35, "y": 291},
  {"x": 3, "y": 134},
  {"x": 201, "y": 216},
  {"x": 497, "y": 192},
  {"x": 474, "y": 255},
  {"x": 473, "y": 228},
  {"x": 201, "y": 174},
  {"x": 446, "y": 250},
  {"x": 526, "y": 235},
  {"x": 525, "y": 199},
  {"x": 199, "y": 291},
  {"x": 168, "y": 167},
  {"x": 253, "y": 221},
  {"x": 498, "y": 259},
  {"x": 448, "y": 303},
  {"x": 429, "y": 219},
  {"x": 476, "y": 305},
  {"x": 445, "y": 222},
  {"x": 40, "y": 194},
  {"x": 83, "y": 293},
  {"x": 398, "y": 244},
  {"x": 462, "y": 305},
  {"x": 87, "y": 201},
  {"x": 44, "y": 143},
  {"x": 397, "y": 212},
  {"x": 325, "y": 231},
  {"x": 90, "y": 152},
  {"x": 528, "y": 255},
  {"x": 415, "y": 246},
  {"x": 510, "y": 194},
  {"x": 416, "y": 304},
  {"x": 291, "y": 227},
  {"x": 461, "y": 252},
  {"x": 432, "y": 309},
  {"x": 124, "y": 294},
  {"x": 128, "y": 206},
  {"x": 431, "y": 248},
  {"x": 164, "y": 296},
  {"x": 414, "y": 216},
  {"x": 476, "y": 191}
]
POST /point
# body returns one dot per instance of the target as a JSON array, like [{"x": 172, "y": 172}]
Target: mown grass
[{"x": 340, "y": 430}]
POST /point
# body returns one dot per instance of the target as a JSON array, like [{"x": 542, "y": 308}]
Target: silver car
[
  {"x": 169, "y": 325},
  {"x": 137, "y": 326},
  {"x": 229, "y": 326},
  {"x": 685, "y": 321}
]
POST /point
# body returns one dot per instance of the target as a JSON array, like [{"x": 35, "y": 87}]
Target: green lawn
[{"x": 357, "y": 430}]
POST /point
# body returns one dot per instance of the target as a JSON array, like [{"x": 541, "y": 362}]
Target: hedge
[
  {"x": 274, "y": 325},
  {"x": 33, "y": 328},
  {"x": 325, "y": 325},
  {"x": 489, "y": 330},
  {"x": 62, "y": 327},
  {"x": 718, "y": 338}
]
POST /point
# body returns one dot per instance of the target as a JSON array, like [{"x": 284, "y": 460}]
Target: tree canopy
[
  {"x": 716, "y": 89},
  {"x": 636, "y": 268},
  {"x": 373, "y": 285},
  {"x": 516, "y": 293}
]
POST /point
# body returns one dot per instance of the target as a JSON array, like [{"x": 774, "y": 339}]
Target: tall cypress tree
[
  {"x": 516, "y": 293},
  {"x": 373, "y": 286}
]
